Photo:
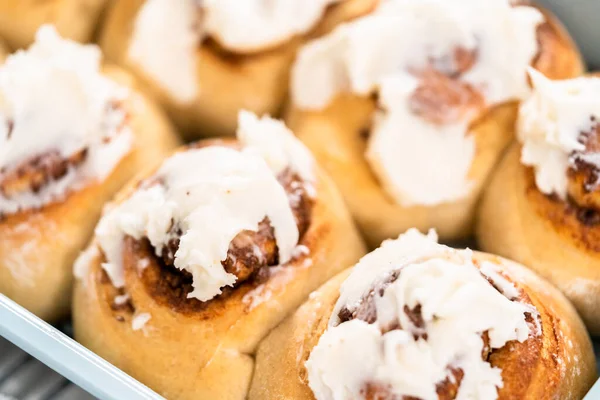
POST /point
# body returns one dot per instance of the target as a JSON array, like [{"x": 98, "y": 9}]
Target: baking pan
[{"x": 59, "y": 352}]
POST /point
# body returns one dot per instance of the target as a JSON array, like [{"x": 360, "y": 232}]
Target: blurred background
[{"x": 581, "y": 19}]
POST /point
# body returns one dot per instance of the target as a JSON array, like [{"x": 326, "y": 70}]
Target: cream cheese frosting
[
  {"x": 271, "y": 140},
  {"x": 163, "y": 44},
  {"x": 551, "y": 123},
  {"x": 167, "y": 33},
  {"x": 253, "y": 25},
  {"x": 209, "y": 195},
  {"x": 457, "y": 305},
  {"x": 54, "y": 99},
  {"x": 443, "y": 155},
  {"x": 383, "y": 52}
]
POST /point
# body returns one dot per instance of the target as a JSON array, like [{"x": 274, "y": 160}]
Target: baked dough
[
  {"x": 516, "y": 220},
  {"x": 204, "y": 350},
  {"x": 38, "y": 247},
  {"x": 73, "y": 19},
  {"x": 228, "y": 82},
  {"x": 559, "y": 364}
]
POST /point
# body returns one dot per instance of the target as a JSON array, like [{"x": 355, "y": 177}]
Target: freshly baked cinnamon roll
[
  {"x": 195, "y": 263},
  {"x": 208, "y": 59},
  {"x": 70, "y": 137},
  {"x": 409, "y": 107},
  {"x": 542, "y": 206},
  {"x": 73, "y": 19},
  {"x": 418, "y": 320}
]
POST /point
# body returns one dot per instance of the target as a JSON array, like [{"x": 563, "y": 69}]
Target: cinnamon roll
[
  {"x": 418, "y": 320},
  {"x": 542, "y": 206},
  {"x": 208, "y": 59},
  {"x": 70, "y": 137},
  {"x": 409, "y": 107},
  {"x": 73, "y": 19},
  {"x": 196, "y": 262}
]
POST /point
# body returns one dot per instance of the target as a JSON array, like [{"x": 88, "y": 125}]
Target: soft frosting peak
[
  {"x": 479, "y": 52},
  {"x": 275, "y": 143},
  {"x": 255, "y": 24},
  {"x": 551, "y": 124},
  {"x": 53, "y": 99},
  {"x": 407, "y": 356}
]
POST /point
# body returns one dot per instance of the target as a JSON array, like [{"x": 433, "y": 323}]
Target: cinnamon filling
[
  {"x": 442, "y": 99},
  {"x": 583, "y": 180},
  {"x": 250, "y": 256},
  {"x": 580, "y": 224},
  {"x": 252, "y": 252},
  {"x": 35, "y": 173},
  {"x": 453, "y": 66},
  {"x": 446, "y": 390},
  {"x": 584, "y": 173},
  {"x": 366, "y": 311},
  {"x": 249, "y": 252}
]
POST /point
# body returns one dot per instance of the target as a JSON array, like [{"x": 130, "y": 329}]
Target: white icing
[
  {"x": 443, "y": 155},
  {"x": 167, "y": 33},
  {"x": 275, "y": 143},
  {"x": 56, "y": 100},
  {"x": 355, "y": 363},
  {"x": 378, "y": 264},
  {"x": 301, "y": 251},
  {"x": 257, "y": 296},
  {"x": 211, "y": 194},
  {"x": 82, "y": 264},
  {"x": 256, "y": 24},
  {"x": 380, "y": 52},
  {"x": 140, "y": 320},
  {"x": 457, "y": 306},
  {"x": 122, "y": 299},
  {"x": 550, "y": 124},
  {"x": 142, "y": 264},
  {"x": 504, "y": 285},
  {"x": 164, "y": 42}
]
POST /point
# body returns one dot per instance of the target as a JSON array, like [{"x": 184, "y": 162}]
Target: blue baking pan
[
  {"x": 594, "y": 393},
  {"x": 22, "y": 378}
]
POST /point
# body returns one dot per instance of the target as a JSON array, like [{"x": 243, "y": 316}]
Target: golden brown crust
[
  {"x": 74, "y": 19},
  {"x": 559, "y": 57},
  {"x": 38, "y": 247},
  {"x": 204, "y": 350},
  {"x": 336, "y": 135},
  {"x": 228, "y": 82},
  {"x": 3, "y": 51},
  {"x": 557, "y": 364},
  {"x": 558, "y": 239}
]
